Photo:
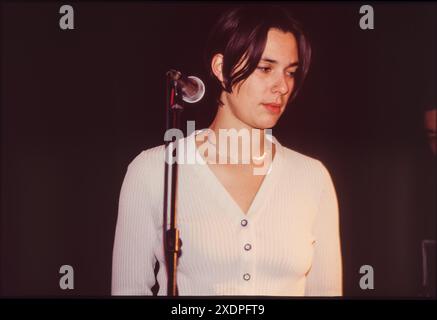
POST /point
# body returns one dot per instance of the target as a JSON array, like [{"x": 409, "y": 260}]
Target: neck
[{"x": 256, "y": 137}]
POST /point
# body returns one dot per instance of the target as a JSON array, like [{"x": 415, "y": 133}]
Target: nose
[{"x": 282, "y": 85}]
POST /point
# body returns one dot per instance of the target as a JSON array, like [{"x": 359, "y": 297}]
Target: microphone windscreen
[{"x": 194, "y": 91}]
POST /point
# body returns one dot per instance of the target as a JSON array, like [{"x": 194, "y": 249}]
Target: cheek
[
  {"x": 256, "y": 89},
  {"x": 292, "y": 84},
  {"x": 250, "y": 93}
]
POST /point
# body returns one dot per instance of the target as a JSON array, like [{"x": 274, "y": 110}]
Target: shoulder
[
  {"x": 310, "y": 174},
  {"x": 148, "y": 159},
  {"x": 308, "y": 166},
  {"x": 148, "y": 164},
  {"x": 153, "y": 159}
]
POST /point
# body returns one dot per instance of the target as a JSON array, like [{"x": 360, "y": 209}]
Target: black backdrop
[{"x": 78, "y": 105}]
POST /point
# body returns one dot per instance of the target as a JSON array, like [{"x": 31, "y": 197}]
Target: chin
[{"x": 266, "y": 124}]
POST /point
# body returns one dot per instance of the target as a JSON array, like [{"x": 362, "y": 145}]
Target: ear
[{"x": 217, "y": 66}]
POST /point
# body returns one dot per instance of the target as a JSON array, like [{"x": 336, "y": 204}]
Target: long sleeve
[
  {"x": 135, "y": 235},
  {"x": 226, "y": 251},
  {"x": 325, "y": 275}
]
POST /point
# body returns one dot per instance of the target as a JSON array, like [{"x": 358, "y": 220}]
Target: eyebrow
[{"x": 293, "y": 64}]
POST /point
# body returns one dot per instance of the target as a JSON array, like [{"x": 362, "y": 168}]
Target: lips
[{"x": 273, "y": 107}]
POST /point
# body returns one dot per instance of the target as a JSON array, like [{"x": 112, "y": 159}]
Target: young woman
[{"x": 269, "y": 234}]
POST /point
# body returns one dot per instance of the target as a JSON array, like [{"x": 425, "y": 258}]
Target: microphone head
[{"x": 194, "y": 91}]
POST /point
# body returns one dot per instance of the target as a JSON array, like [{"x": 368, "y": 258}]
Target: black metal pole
[{"x": 172, "y": 242}]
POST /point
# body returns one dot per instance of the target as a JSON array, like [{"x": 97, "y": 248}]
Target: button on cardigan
[{"x": 287, "y": 244}]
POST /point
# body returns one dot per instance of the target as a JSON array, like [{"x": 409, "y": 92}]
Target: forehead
[{"x": 281, "y": 46}]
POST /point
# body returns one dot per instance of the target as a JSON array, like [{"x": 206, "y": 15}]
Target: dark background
[{"x": 78, "y": 105}]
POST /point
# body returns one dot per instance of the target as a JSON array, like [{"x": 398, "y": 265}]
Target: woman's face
[{"x": 260, "y": 100}]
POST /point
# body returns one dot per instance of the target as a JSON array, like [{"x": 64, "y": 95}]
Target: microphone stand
[{"x": 172, "y": 243}]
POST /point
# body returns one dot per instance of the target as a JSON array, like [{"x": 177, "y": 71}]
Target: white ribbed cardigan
[{"x": 288, "y": 243}]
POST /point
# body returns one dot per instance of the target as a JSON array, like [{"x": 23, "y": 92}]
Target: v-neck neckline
[{"x": 262, "y": 192}]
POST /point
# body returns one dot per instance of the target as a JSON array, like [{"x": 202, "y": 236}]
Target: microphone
[{"x": 192, "y": 88}]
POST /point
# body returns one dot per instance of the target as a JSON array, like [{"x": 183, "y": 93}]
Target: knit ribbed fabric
[{"x": 287, "y": 244}]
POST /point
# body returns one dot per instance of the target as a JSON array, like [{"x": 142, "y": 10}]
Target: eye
[
  {"x": 265, "y": 69},
  {"x": 291, "y": 74}
]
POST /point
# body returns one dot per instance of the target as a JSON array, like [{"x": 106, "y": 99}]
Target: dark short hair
[{"x": 243, "y": 31}]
